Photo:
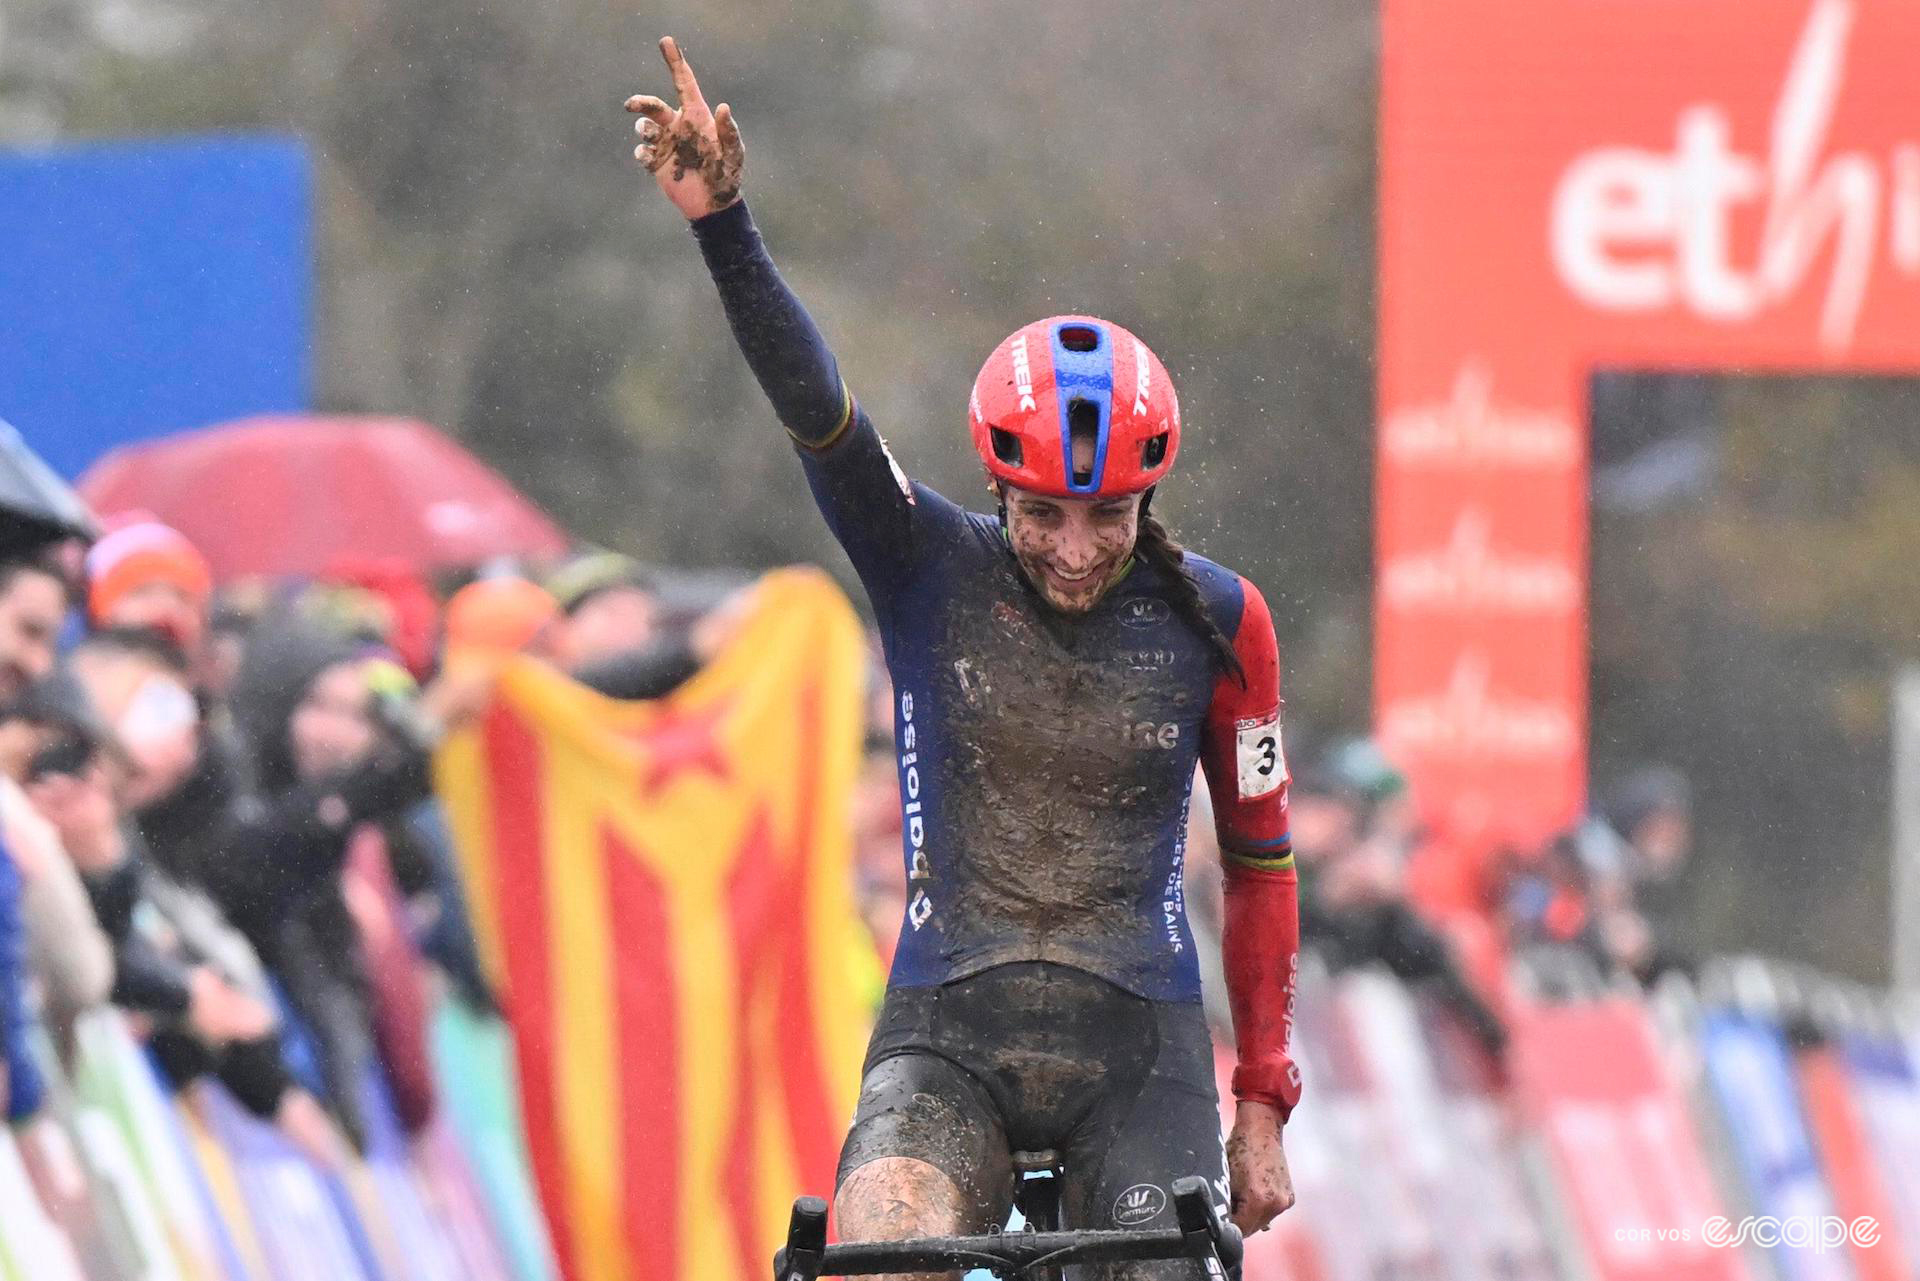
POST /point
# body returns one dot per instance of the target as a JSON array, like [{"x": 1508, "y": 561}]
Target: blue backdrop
[{"x": 150, "y": 286}]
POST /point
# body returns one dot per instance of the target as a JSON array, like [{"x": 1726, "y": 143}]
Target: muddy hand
[
  {"x": 693, "y": 153},
  {"x": 1257, "y": 1167}
]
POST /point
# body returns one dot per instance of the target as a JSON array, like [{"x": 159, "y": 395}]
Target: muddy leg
[{"x": 894, "y": 1198}]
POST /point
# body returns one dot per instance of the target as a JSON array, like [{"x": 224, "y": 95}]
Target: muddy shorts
[{"x": 1032, "y": 1056}]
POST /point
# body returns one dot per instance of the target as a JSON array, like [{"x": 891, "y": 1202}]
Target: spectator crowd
[
  {"x": 216, "y": 815},
  {"x": 216, "y": 810}
]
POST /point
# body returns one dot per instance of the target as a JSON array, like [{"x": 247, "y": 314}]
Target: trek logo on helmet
[
  {"x": 1023, "y": 373},
  {"x": 1061, "y": 384}
]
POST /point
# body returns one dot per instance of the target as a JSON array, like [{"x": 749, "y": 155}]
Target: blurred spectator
[
  {"x": 609, "y": 636},
  {"x": 336, "y": 742},
  {"x": 1652, "y": 811},
  {"x": 44, "y": 731},
  {"x": 387, "y": 600},
  {"x": 33, "y": 604},
  {"x": 35, "y": 903},
  {"x": 502, "y": 615},
  {"x": 609, "y": 610},
  {"x": 1352, "y": 829},
  {"x": 139, "y": 681},
  {"x": 146, "y": 575},
  {"x": 194, "y": 983}
]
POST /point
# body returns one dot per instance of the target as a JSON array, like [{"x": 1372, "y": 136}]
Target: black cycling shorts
[{"x": 1033, "y": 1056}]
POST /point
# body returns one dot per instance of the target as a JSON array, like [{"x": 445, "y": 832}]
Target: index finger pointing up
[{"x": 683, "y": 81}]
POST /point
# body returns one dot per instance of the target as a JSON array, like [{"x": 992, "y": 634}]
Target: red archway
[{"x": 1571, "y": 184}]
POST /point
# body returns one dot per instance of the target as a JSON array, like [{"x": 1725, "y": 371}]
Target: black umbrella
[{"x": 36, "y": 506}]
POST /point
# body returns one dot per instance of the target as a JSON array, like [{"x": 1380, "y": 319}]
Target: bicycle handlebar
[{"x": 1202, "y": 1236}]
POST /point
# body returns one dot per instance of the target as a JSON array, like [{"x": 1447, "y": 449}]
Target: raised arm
[
  {"x": 696, "y": 156},
  {"x": 879, "y": 516}
]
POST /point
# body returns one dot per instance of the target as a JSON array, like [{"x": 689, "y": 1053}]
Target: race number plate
[{"x": 1262, "y": 757}]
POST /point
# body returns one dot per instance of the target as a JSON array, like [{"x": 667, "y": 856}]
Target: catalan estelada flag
[{"x": 663, "y": 892}]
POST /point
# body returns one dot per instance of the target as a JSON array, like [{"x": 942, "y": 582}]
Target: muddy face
[{"x": 1072, "y": 550}]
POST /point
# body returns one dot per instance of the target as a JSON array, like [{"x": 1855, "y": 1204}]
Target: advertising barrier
[
  {"x": 1623, "y": 1151},
  {"x": 1751, "y": 1074},
  {"x": 1411, "y": 1159}
]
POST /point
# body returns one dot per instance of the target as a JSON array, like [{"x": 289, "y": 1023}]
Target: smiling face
[{"x": 1072, "y": 549}]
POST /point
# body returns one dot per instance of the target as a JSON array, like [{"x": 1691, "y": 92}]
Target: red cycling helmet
[{"x": 1067, "y": 378}]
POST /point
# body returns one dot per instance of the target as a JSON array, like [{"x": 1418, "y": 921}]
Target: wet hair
[{"x": 1155, "y": 545}]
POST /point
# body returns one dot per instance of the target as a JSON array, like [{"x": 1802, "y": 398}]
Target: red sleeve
[{"x": 1246, "y": 765}]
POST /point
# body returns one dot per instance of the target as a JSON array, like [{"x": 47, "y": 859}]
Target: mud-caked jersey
[{"x": 1046, "y": 761}]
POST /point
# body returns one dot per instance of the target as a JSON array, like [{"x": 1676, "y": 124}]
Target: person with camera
[
  {"x": 54, "y": 960},
  {"x": 336, "y": 739},
  {"x": 193, "y": 988}
]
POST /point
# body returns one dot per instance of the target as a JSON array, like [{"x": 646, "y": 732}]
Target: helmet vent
[
  {"x": 1006, "y": 446},
  {"x": 1083, "y": 433},
  {"x": 1080, "y": 338},
  {"x": 1154, "y": 452}
]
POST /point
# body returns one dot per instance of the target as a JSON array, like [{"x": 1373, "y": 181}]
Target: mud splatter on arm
[{"x": 1246, "y": 765}]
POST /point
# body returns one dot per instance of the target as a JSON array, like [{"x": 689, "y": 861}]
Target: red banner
[{"x": 1584, "y": 183}]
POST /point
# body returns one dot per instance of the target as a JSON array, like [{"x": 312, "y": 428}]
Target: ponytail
[{"x": 1155, "y": 546}]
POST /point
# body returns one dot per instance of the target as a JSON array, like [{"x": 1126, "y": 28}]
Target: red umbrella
[{"x": 294, "y": 495}]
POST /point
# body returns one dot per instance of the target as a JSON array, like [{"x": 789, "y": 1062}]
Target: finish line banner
[{"x": 663, "y": 892}]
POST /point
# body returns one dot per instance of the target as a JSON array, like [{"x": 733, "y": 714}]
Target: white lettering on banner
[
  {"x": 1468, "y": 573},
  {"x": 1469, "y": 429},
  {"x": 1470, "y": 718},
  {"x": 1821, "y": 1234},
  {"x": 1022, "y": 373},
  {"x": 1634, "y": 230}
]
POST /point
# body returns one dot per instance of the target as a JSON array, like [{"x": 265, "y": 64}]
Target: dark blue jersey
[{"x": 1046, "y": 761}]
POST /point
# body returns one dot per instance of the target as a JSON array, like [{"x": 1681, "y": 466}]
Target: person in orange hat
[
  {"x": 501, "y": 616},
  {"x": 146, "y": 575}
]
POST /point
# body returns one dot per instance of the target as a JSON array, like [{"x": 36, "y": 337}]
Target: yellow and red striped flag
[{"x": 663, "y": 892}]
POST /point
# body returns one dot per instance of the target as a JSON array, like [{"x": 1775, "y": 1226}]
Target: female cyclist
[{"x": 1058, "y": 667}]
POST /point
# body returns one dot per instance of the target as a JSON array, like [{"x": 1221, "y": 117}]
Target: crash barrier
[
  {"x": 1762, "y": 1125},
  {"x": 118, "y": 1180}
]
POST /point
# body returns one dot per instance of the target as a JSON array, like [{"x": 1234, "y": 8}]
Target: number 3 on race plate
[{"x": 1262, "y": 756}]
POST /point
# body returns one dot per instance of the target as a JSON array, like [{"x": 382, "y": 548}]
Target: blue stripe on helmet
[{"x": 1084, "y": 375}]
